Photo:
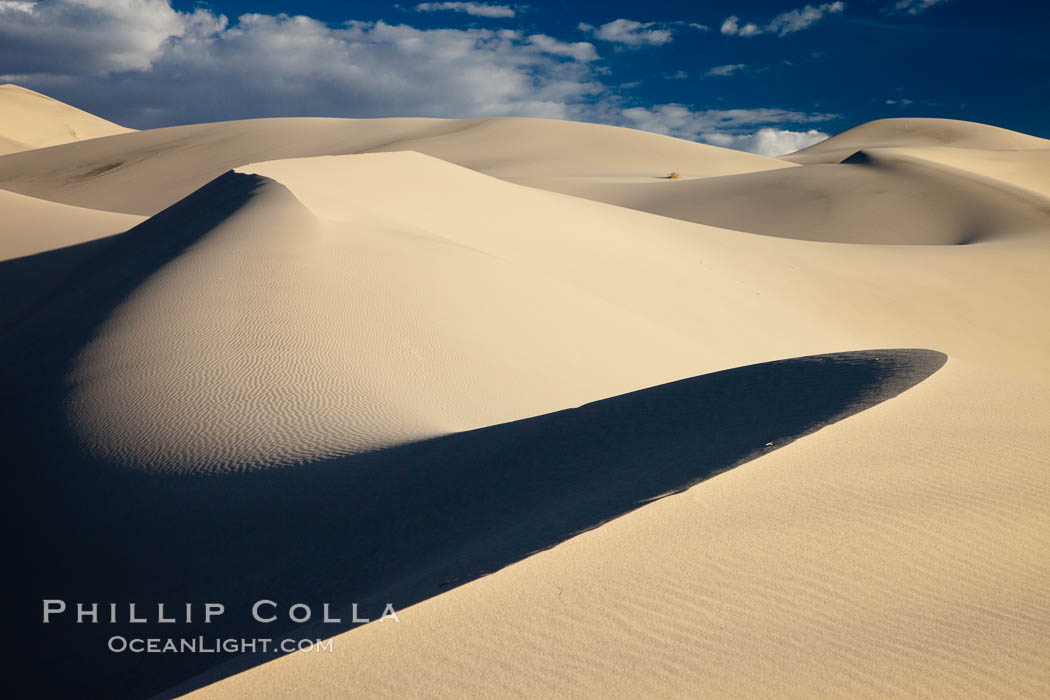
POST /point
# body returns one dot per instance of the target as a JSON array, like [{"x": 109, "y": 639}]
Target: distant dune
[
  {"x": 589, "y": 433},
  {"x": 873, "y": 197},
  {"x": 31, "y": 225},
  {"x": 144, "y": 172},
  {"x": 916, "y": 133},
  {"x": 31, "y": 120}
]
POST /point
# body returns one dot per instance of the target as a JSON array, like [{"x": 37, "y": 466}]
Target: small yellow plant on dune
[{"x": 674, "y": 175}]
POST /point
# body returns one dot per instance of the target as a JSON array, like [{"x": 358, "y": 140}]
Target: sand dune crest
[{"x": 30, "y": 120}]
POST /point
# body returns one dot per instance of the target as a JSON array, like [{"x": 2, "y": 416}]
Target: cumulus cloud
[
  {"x": 770, "y": 141},
  {"x": 145, "y": 64},
  {"x": 579, "y": 50},
  {"x": 733, "y": 128},
  {"x": 732, "y": 27},
  {"x": 790, "y": 21},
  {"x": 142, "y": 63},
  {"x": 478, "y": 9},
  {"x": 629, "y": 33},
  {"x": 728, "y": 69},
  {"x": 796, "y": 20},
  {"x": 914, "y": 7},
  {"x": 94, "y": 36}
]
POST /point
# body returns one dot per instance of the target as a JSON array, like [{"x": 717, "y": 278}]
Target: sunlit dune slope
[
  {"x": 30, "y": 120},
  {"x": 31, "y": 225},
  {"x": 915, "y": 133},
  {"x": 876, "y": 196},
  {"x": 144, "y": 172},
  {"x": 355, "y": 304}
]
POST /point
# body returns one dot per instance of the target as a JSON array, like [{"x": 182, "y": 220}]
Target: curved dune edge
[
  {"x": 264, "y": 337},
  {"x": 407, "y": 511},
  {"x": 880, "y": 560}
]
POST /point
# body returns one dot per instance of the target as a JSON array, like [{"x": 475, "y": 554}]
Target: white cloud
[
  {"x": 629, "y": 33},
  {"x": 731, "y": 128},
  {"x": 796, "y": 20},
  {"x": 728, "y": 69},
  {"x": 790, "y": 21},
  {"x": 771, "y": 141},
  {"x": 579, "y": 50},
  {"x": 142, "y": 63},
  {"x": 92, "y": 36},
  {"x": 478, "y": 9},
  {"x": 16, "y": 6},
  {"x": 914, "y": 7},
  {"x": 732, "y": 27}
]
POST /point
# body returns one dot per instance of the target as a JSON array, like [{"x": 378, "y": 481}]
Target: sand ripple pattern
[
  {"x": 276, "y": 338},
  {"x": 900, "y": 554}
]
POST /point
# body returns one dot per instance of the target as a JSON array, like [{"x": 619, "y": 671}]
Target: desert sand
[
  {"x": 776, "y": 428},
  {"x": 32, "y": 120}
]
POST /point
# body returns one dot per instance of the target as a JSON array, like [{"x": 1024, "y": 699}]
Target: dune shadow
[
  {"x": 29, "y": 284},
  {"x": 399, "y": 525}
]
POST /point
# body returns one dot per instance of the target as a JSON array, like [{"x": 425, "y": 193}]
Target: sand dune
[
  {"x": 30, "y": 120},
  {"x": 357, "y": 337},
  {"x": 1021, "y": 171},
  {"x": 900, "y": 185},
  {"x": 144, "y": 172},
  {"x": 221, "y": 282},
  {"x": 874, "y": 197},
  {"x": 913, "y": 133},
  {"x": 587, "y": 448},
  {"x": 851, "y": 564},
  {"x": 31, "y": 225}
]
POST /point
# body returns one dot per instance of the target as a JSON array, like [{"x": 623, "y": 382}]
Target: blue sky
[{"x": 767, "y": 76}]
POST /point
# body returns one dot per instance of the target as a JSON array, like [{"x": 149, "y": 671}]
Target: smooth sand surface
[
  {"x": 916, "y": 132},
  {"x": 1023, "y": 171},
  {"x": 144, "y": 172},
  {"x": 342, "y": 375},
  {"x": 881, "y": 196},
  {"x": 31, "y": 225},
  {"x": 30, "y": 120}
]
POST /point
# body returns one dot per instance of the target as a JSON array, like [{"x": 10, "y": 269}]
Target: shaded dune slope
[
  {"x": 394, "y": 525},
  {"x": 899, "y": 553}
]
